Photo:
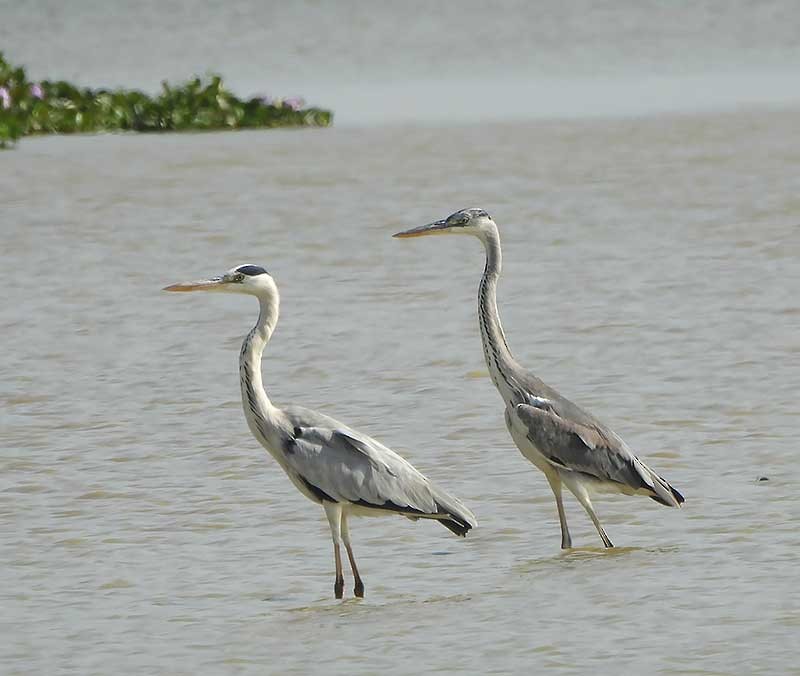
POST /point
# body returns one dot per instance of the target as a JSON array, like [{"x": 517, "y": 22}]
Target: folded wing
[
  {"x": 343, "y": 465},
  {"x": 583, "y": 448}
]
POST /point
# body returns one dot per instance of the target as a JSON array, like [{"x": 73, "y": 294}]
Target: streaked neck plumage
[
  {"x": 258, "y": 409},
  {"x": 499, "y": 359}
]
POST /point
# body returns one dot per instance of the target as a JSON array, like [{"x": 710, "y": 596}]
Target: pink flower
[
  {"x": 5, "y": 98},
  {"x": 295, "y": 102},
  {"x": 36, "y": 91}
]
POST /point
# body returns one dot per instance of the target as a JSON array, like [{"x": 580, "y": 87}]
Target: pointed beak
[
  {"x": 437, "y": 228},
  {"x": 201, "y": 285}
]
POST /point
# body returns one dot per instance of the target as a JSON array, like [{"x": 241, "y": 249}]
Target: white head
[
  {"x": 252, "y": 280},
  {"x": 475, "y": 222}
]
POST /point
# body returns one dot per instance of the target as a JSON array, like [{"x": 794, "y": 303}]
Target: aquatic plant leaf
[{"x": 59, "y": 107}]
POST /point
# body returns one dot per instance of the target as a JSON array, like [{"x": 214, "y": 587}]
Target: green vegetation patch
[{"x": 46, "y": 107}]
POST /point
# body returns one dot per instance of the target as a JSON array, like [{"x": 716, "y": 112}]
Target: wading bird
[
  {"x": 566, "y": 443},
  {"x": 345, "y": 471}
]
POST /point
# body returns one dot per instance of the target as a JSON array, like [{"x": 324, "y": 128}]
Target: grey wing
[
  {"x": 585, "y": 448},
  {"x": 344, "y": 465}
]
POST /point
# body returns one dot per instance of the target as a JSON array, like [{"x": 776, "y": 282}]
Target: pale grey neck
[
  {"x": 254, "y": 397},
  {"x": 498, "y": 357}
]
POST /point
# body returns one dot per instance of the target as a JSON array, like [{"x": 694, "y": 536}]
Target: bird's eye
[{"x": 238, "y": 277}]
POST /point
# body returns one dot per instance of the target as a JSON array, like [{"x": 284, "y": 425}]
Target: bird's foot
[
  {"x": 338, "y": 587},
  {"x": 358, "y": 590},
  {"x": 566, "y": 543}
]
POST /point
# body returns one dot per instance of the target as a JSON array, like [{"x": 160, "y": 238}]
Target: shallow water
[{"x": 651, "y": 273}]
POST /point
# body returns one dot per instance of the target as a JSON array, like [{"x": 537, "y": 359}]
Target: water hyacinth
[
  {"x": 295, "y": 102},
  {"x": 58, "y": 107}
]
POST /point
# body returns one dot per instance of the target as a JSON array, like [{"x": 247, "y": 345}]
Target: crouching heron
[{"x": 339, "y": 468}]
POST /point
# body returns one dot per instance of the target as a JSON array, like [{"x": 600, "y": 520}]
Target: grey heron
[
  {"x": 569, "y": 445},
  {"x": 339, "y": 468}
]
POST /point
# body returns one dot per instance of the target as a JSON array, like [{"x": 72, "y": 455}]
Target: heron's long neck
[
  {"x": 495, "y": 348},
  {"x": 254, "y": 397}
]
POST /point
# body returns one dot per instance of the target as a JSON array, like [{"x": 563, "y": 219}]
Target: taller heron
[
  {"x": 345, "y": 471},
  {"x": 569, "y": 445}
]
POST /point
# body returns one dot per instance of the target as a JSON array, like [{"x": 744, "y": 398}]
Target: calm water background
[{"x": 651, "y": 273}]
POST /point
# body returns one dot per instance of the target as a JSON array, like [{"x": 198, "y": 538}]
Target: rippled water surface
[{"x": 650, "y": 273}]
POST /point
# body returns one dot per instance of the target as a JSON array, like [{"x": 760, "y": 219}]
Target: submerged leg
[
  {"x": 555, "y": 484},
  {"x": 334, "y": 513},
  {"x": 583, "y": 497},
  {"x": 358, "y": 590}
]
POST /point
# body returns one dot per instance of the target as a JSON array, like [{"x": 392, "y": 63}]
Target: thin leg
[
  {"x": 583, "y": 498},
  {"x": 338, "y": 585},
  {"x": 334, "y": 513},
  {"x": 555, "y": 484},
  {"x": 358, "y": 590}
]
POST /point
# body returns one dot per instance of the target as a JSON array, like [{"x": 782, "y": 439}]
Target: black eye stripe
[
  {"x": 251, "y": 270},
  {"x": 465, "y": 216}
]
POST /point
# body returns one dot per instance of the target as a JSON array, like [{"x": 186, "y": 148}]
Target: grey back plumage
[
  {"x": 573, "y": 439},
  {"x": 348, "y": 466}
]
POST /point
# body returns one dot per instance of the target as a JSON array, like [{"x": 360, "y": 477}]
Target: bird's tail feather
[
  {"x": 458, "y": 528},
  {"x": 664, "y": 493},
  {"x": 453, "y": 515}
]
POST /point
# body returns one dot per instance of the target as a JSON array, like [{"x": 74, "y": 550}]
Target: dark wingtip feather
[
  {"x": 453, "y": 515},
  {"x": 458, "y": 528},
  {"x": 675, "y": 494}
]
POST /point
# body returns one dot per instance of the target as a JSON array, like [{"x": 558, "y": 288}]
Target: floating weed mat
[{"x": 45, "y": 107}]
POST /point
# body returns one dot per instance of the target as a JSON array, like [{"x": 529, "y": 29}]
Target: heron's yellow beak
[
  {"x": 201, "y": 285},
  {"x": 437, "y": 228}
]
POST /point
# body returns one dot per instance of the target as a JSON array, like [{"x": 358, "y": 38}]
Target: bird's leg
[
  {"x": 555, "y": 484},
  {"x": 358, "y": 590},
  {"x": 338, "y": 585},
  {"x": 583, "y": 498},
  {"x": 334, "y": 513},
  {"x": 606, "y": 540}
]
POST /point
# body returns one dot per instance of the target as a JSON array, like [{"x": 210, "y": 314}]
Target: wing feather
[
  {"x": 351, "y": 467},
  {"x": 586, "y": 448}
]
